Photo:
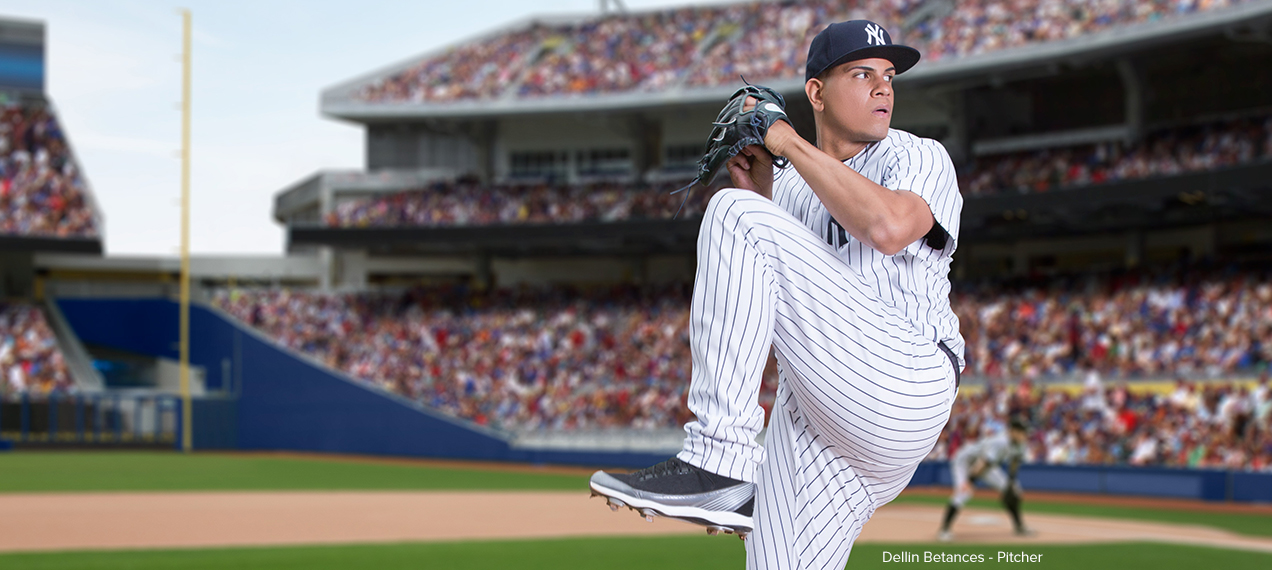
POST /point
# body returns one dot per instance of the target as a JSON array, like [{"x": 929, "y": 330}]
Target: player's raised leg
[{"x": 857, "y": 374}]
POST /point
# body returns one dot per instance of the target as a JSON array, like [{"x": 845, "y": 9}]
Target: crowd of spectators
[
  {"x": 30, "y": 360},
  {"x": 1164, "y": 153},
  {"x": 471, "y": 203},
  {"x": 440, "y": 344},
  {"x": 643, "y": 51},
  {"x": 41, "y": 191},
  {"x": 764, "y": 40},
  {"x": 1217, "y": 425},
  {"x": 1135, "y": 325},
  {"x": 552, "y": 358}
]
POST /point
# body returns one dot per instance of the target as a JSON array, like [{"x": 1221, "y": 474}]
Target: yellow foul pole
[{"x": 186, "y": 436}]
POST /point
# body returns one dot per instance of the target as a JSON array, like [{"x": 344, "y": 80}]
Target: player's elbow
[{"x": 889, "y": 238}]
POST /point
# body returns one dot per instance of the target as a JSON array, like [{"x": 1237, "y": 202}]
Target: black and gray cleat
[{"x": 675, "y": 489}]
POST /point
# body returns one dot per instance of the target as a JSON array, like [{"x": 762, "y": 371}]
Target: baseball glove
[{"x": 736, "y": 129}]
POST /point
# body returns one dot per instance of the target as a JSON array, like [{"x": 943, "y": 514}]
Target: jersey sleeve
[{"x": 925, "y": 168}]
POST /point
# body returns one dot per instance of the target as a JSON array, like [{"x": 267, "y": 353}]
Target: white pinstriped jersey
[{"x": 915, "y": 281}]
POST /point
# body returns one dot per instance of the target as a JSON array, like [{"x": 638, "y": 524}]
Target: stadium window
[
  {"x": 682, "y": 157},
  {"x": 604, "y": 162},
  {"x": 549, "y": 164}
]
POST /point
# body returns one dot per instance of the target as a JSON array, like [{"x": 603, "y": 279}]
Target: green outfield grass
[
  {"x": 695, "y": 552},
  {"x": 167, "y": 471},
  {"x": 1240, "y": 523}
]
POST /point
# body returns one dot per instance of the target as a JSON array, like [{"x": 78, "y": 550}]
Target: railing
[{"x": 91, "y": 419}]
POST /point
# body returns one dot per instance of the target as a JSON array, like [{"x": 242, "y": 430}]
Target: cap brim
[{"x": 902, "y": 57}]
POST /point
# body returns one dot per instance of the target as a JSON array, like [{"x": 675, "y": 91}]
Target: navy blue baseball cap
[{"x": 842, "y": 42}]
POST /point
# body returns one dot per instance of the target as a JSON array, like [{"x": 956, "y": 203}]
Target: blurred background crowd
[
  {"x": 30, "y": 359},
  {"x": 41, "y": 191},
  {"x": 712, "y": 45},
  {"x": 472, "y": 203},
  {"x": 566, "y": 358},
  {"x": 1138, "y": 324},
  {"x": 1195, "y": 425},
  {"x": 1168, "y": 152}
]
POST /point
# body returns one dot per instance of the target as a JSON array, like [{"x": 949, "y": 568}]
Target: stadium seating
[
  {"x": 710, "y": 46},
  {"x": 469, "y": 203},
  {"x": 41, "y": 190},
  {"x": 1165, "y": 152},
  {"x": 560, "y": 358},
  {"x": 1140, "y": 324},
  {"x": 30, "y": 360},
  {"x": 1216, "y": 426}
]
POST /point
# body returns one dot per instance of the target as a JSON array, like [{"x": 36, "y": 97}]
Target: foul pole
[{"x": 186, "y": 423}]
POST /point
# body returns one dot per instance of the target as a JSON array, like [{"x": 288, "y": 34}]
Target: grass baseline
[{"x": 620, "y": 553}]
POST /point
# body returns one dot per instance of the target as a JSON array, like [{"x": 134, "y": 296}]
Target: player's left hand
[{"x": 777, "y": 134}]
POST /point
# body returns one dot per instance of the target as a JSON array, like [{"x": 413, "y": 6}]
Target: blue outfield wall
[
  {"x": 1204, "y": 484},
  {"x": 276, "y": 400}
]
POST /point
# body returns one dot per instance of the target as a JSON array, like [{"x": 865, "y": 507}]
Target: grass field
[
  {"x": 695, "y": 552},
  {"x": 165, "y": 471}
]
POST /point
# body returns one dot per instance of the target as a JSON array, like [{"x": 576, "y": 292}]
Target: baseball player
[
  {"x": 839, "y": 260},
  {"x": 981, "y": 462}
]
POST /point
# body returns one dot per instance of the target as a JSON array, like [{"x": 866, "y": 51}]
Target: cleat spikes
[
  {"x": 649, "y": 514},
  {"x": 713, "y": 530}
]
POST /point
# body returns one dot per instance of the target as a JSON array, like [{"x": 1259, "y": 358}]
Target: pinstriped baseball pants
[{"x": 861, "y": 399}]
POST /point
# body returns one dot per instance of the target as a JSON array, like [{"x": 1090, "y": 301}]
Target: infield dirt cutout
[{"x": 74, "y": 521}]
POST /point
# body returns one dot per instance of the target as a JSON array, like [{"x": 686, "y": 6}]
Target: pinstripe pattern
[{"x": 864, "y": 390}]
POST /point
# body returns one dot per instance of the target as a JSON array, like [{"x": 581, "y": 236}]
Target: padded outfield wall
[{"x": 273, "y": 399}]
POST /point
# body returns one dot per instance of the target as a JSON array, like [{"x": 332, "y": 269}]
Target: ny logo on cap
[{"x": 874, "y": 35}]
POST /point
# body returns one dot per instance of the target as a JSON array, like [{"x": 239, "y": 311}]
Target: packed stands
[
  {"x": 1166, "y": 152},
  {"x": 711, "y": 45},
  {"x": 30, "y": 360},
  {"x": 41, "y": 190},
  {"x": 516, "y": 359},
  {"x": 470, "y": 203},
  {"x": 1220, "y": 425},
  {"x": 564, "y": 358},
  {"x": 1194, "y": 323}
]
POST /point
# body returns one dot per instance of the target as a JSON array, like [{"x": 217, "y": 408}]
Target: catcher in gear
[{"x": 980, "y": 462}]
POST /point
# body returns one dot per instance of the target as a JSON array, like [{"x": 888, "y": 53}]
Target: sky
[{"x": 113, "y": 73}]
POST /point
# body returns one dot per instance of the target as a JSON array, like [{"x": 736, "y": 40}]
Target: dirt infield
[{"x": 44, "y": 522}]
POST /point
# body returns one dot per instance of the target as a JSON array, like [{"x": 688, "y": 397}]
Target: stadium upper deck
[
  {"x": 695, "y": 54},
  {"x": 45, "y": 202}
]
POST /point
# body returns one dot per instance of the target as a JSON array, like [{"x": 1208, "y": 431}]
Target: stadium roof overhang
[
  {"x": 1251, "y": 18},
  {"x": 1226, "y": 194},
  {"x": 41, "y": 244}
]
